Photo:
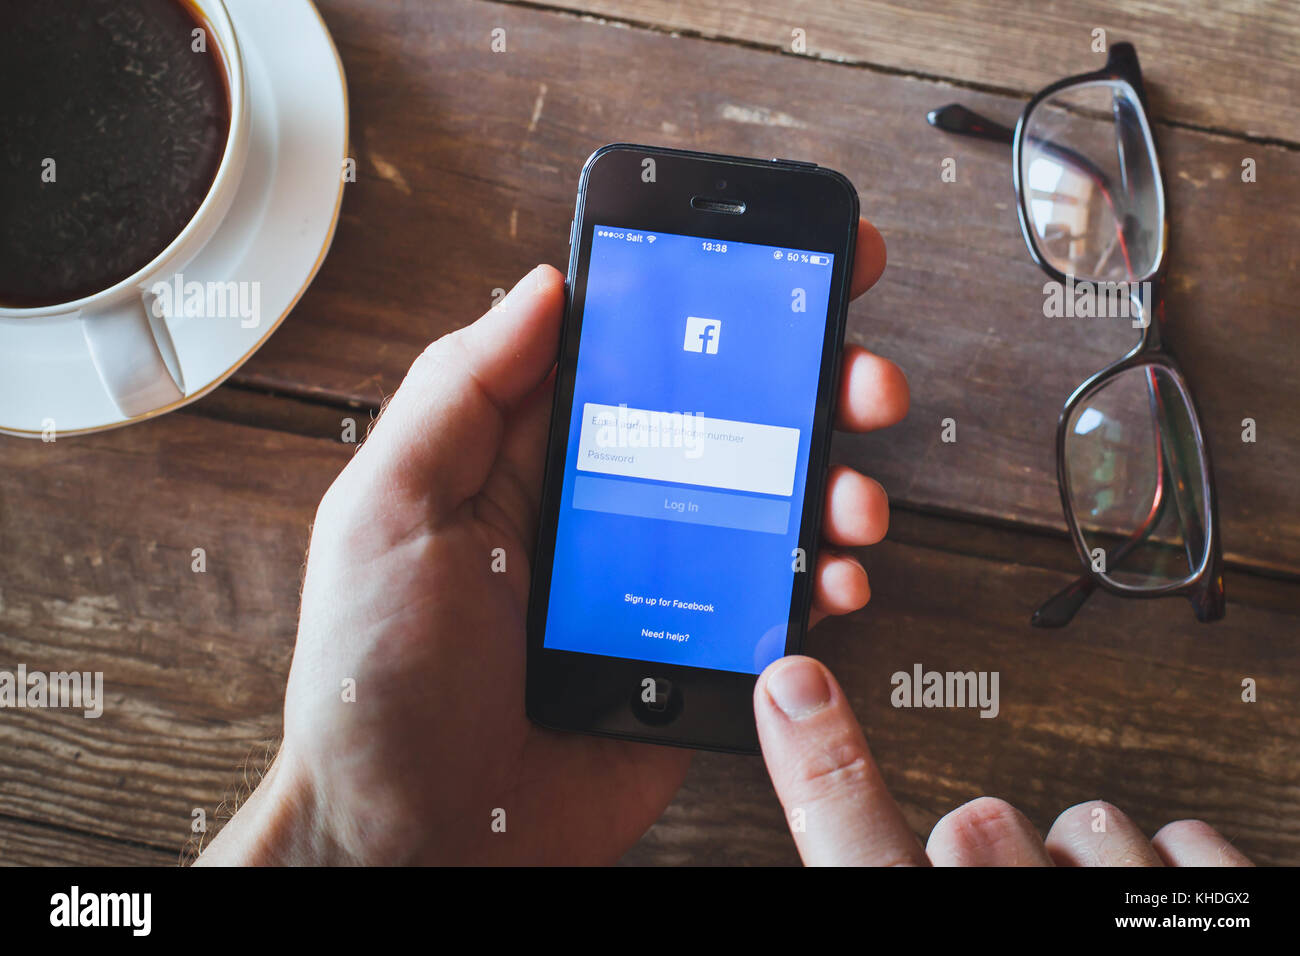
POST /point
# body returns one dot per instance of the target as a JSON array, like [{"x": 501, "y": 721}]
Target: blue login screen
[{"x": 688, "y": 450}]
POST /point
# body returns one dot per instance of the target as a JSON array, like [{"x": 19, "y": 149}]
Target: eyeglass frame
[{"x": 1203, "y": 585}]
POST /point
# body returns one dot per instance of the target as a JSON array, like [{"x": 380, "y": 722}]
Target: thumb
[
  {"x": 836, "y": 803},
  {"x": 437, "y": 438}
]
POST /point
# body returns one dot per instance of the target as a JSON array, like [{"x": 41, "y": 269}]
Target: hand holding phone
[{"x": 405, "y": 700}]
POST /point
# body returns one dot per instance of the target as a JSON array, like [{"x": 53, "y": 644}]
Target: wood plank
[
  {"x": 27, "y": 844},
  {"x": 245, "y": 406},
  {"x": 96, "y": 556},
  {"x": 1220, "y": 66},
  {"x": 1134, "y": 702},
  {"x": 469, "y": 161}
]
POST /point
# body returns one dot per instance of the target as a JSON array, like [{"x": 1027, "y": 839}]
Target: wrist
[{"x": 280, "y": 824}]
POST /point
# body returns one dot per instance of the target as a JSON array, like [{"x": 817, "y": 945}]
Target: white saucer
[{"x": 276, "y": 233}]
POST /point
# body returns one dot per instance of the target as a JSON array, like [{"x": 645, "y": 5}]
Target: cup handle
[{"x": 134, "y": 356}]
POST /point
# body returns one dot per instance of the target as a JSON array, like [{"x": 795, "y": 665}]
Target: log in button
[{"x": 638, "y": 499}]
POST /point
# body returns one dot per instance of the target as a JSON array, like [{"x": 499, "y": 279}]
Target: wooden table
[{"x": 468, "y": 162}]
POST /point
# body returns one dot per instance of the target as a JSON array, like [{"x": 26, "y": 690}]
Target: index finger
[{"x": 839, "y": 810}]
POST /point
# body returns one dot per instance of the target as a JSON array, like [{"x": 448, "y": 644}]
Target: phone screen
[{"x": 677, "y": 538}]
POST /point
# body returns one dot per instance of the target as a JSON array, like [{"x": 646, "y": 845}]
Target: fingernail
[{"x": 799, "y": 689}]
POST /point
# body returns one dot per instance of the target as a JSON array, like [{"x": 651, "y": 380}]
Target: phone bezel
[{"x": 788, "y": 203}]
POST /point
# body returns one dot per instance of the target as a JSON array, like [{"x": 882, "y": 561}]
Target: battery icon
[{"x": 820, "y": 260}]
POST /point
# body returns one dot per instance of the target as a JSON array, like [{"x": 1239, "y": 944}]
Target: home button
[{"x": 656, "y": 700}]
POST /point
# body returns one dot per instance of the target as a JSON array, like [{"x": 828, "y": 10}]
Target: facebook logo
[{"x": 702, "y": 335}]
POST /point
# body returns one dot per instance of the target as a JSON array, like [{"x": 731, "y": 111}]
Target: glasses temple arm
[
  {"x": 1060, "y": 608},
  {"x": 955, "y": 118}
]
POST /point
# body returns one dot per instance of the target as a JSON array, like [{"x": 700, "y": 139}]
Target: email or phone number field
[{"x": 630, "y": 443}]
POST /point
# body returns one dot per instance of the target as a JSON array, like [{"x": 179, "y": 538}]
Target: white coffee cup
[{"x": 129, "y": 343}]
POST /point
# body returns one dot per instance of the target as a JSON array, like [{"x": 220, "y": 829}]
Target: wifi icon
[{"x": 650, "y": 238}]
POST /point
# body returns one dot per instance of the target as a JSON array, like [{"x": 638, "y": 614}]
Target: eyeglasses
[{"x": 1131, "y": 458}]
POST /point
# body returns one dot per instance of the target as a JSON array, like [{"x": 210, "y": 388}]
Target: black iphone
[{"x": 687, "y": 459}]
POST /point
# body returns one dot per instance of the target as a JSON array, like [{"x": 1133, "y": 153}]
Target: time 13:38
[{"x": 709, "y": 246}]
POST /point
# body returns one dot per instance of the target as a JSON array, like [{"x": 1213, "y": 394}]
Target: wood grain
[
  {"x": 468, "y": 167},
  {"x": 27, "y": 844},
  {"x": 1134, "y": 702},
  {"x": 96, "y": 574},
  {"x": 1231, "y": 66}
]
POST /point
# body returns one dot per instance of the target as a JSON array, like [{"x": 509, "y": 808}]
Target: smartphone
[{"x": 687, "y": 458}]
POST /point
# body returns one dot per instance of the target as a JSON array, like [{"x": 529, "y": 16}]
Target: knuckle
[
  {"x": 1182, "y": 829},
  {"x": 984, "y": 812},
  {"x": 1082, "y": 814},
  {"x": 437, "y": 360},
  {"x": 837, "y": 766},
  {"x": 435, "y": 353},
  {"x": 984, "y": 822}
]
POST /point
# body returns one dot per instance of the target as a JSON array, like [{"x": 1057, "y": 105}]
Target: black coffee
[{"x": 112, "y": 126}]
